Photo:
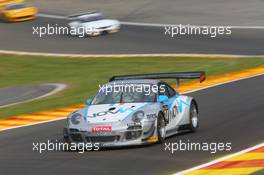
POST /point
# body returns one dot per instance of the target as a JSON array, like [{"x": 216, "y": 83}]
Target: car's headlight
[
  {"x": 75, "y": 118},
  {"x": 138, "y": 116}
]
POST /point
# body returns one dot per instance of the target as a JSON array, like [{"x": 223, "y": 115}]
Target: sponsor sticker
[
  {"x": 152, "y": 139},
  {"x": 134, "y": 124},
  {"x": 102, "y": 129}
]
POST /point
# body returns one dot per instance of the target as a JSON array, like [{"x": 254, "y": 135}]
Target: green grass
[{"x": 83, "y": 75}]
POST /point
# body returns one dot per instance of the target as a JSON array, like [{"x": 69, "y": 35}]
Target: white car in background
[{"x": 93, "y": 24}]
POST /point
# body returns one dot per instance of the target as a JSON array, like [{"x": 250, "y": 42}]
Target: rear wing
[{"x": 178, "y": 75}]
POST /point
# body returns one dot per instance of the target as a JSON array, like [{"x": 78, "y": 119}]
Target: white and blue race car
[{"x": 134, "y": 110}]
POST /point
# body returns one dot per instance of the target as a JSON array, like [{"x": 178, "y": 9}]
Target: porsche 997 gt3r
[{"x": 134, "y": 117}]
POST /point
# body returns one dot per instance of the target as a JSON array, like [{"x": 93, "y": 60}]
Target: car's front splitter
[{"x": 113, "y": 139}]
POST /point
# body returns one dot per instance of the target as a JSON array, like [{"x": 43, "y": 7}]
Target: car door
[{"x": 170, "y": 107}]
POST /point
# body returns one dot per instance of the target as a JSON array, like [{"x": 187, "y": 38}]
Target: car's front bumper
[
  {"x": 108, "y": 29},
  {"x": 125, "y": 137},
  {"x": 21, "y": 18}
]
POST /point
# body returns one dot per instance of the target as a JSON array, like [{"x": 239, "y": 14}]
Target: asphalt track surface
[
  {"x": 13, "y": 95},
  {"x": 201, "y": 12},
  {"x": 130, "y": 40},
  {"x": 231, "y": 112}
]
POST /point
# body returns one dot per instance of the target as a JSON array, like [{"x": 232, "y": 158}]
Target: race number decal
[{"x": 170, "y": 114}]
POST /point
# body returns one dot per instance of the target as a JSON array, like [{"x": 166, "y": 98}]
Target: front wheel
[
  {"x": 97, "y": 33},
  {"x": 194, "y": 121},
  {"x": 161, "y": 131},
  {"x": 113, "y": 31}
]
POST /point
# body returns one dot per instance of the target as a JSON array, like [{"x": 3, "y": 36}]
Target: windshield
[
  {"x": 91, "y": 18},
  {"x": 16, "y": 6},
  {"x": 132, "y": 95}
]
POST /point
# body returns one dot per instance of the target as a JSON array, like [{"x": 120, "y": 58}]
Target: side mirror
[
  {"x": 163, "y": 98},
  {"x": 88, "y": 102}
]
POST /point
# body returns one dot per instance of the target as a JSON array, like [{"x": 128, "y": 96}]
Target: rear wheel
[
  {"x": 194, "y": 121},
  {"x": 161, "y": 131}
]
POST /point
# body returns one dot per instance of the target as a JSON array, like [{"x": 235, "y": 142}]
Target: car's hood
[
  {"x": 101, "y": 23},
  {"x": 110, "y": 112}
]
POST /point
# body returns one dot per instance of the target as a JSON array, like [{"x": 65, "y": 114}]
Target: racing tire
[
  {"x": 113, "y": 31},
  {"x": 161, "y": 131},
  {"x": 66, "y": 136},
  {"x": 95, "y": 34},
  {"x": 194, "y": 121}
]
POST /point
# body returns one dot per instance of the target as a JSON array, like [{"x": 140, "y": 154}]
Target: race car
[
  {"x": 18, "y": 12},
  {"x": 117, "y": 116},
  {"x": 92, "y": 24},
  {"x": 8, "y": 2}
]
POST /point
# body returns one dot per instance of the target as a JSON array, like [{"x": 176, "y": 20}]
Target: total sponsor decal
[{"x": 102, "y": 129}]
